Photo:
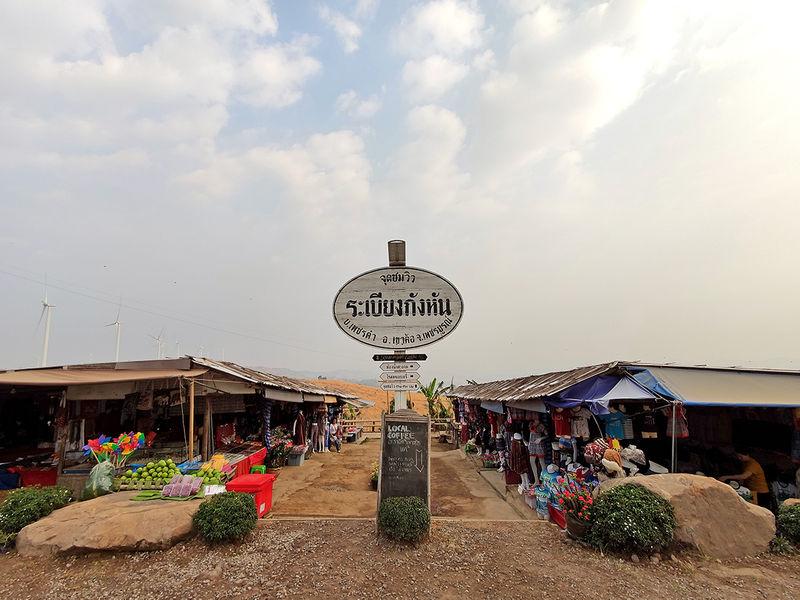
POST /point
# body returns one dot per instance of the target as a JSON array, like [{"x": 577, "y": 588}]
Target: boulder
[
  {"x": 111, "y": 522},
  {"x": 790, "y": 502},
  {"x": 711, "y": 516}
]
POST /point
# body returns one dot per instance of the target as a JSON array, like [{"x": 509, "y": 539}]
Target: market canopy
[
  {"x": 599, "y": 391},
  {"x": 65, "y": 377},
  {"x": 730, "y": 387}
]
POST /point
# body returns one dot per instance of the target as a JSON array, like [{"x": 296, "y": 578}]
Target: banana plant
[{"x": 433, "y": 393}]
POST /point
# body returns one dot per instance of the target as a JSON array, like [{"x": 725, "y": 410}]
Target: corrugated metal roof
[
  {"x": 531, "y": 387},
  {"x": 266, "y": 379}
]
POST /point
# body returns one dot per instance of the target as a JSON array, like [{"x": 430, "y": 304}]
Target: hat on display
[
  {"x": 551, "y": 468},
  {"x": 517, "y": 436}
]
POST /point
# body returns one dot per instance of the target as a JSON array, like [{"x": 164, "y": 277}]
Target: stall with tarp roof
[
  {"x": 727, "y": 410},
  {"x": 188, "y": 407}
]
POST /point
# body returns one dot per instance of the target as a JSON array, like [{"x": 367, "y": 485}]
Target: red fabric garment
[
  {"x": 493, "y": 423},
  {"x": 464, "y": 433},
  {"x": 562, "y": 423},
  {"x": 519, "y": 460}
]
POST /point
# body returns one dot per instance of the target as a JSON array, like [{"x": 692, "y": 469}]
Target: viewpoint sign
[{"x": 398, "y": 308}]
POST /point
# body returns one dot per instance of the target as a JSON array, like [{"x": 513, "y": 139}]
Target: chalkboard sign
[{"x": 405, "y": 456}]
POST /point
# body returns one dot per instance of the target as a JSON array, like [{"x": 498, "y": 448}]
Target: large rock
[
  {"x": 711, "y": 516},
  {"x": 111, "y": 522}
]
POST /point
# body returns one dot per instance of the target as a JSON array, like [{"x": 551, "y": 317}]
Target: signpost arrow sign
[
  {"x": 397, "y": 386},
  {"x": 418, "y": 461},
  {"x": 393, "y": 357},
  {"x": 403, "y": 376},
  {"x": 399, "y": 366}
]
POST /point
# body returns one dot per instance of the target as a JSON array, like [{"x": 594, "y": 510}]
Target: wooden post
[
  {"x": 191, "y": 419},
  {"x": 397, "y": 258},
  {"x": 206, "y": 450}
]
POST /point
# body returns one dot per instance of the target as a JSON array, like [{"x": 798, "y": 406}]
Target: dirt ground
[
  {"x": 344, "y": 559},
  {"x": 332, "y": 484}
]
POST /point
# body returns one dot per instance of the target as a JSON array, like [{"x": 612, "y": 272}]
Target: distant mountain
[{"x": 360, "y": 377}]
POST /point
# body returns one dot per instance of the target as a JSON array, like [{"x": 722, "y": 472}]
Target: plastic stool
[{"x": 260, "y": 469}]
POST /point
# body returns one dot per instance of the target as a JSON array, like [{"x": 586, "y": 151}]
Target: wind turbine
[
  {"x": 47, "y": 309},
  {"x": 159, "y": 344},
  {"x": 118, "y": 327}
]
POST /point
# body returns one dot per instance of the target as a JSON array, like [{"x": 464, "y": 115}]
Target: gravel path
[{"x": 338, "y": 559}]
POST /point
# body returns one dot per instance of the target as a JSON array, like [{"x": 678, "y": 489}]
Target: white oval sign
[{"x": 398, "y": 308}]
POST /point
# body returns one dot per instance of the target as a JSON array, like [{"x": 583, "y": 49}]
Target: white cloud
[
  {"x": 365, "y": 9},
  {"x": 448, "y": 27},
  {"x": 274, "y": 76},
  {"x": 439, "y": 37},
  {"x": 429, "y": 78},
  {"x": 346, "y": 29},
  {"x": 425, "y": 170},
  {"x": 351, "y": 104},
  {"x": 254, "y": 16},
  {"x": 327, "y": 173}
]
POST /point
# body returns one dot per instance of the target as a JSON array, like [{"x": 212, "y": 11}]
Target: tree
[{"x": 434, "y": 393}]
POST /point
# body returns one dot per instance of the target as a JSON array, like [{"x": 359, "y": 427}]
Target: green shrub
[
  {"x": 780, "y": 545},
  {"x": 26, "y": 505},
  {"x": 406, "y": 519},
  {"x": 631, "y": 518},
  {"x": 226, "y": 517},
  {"x": 789, "y": 523}
]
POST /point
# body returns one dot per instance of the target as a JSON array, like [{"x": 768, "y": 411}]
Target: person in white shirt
[{"x": 335, "y": 435}]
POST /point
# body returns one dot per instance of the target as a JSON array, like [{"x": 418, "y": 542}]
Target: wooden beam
[
  {"x": 191, "y": 419},
  {"x": 207, "y": 430}
]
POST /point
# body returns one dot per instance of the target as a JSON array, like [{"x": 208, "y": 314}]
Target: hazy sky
[{"x": 601, "y": 181}]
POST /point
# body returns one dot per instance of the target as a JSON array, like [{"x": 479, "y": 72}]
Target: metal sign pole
[{"x": 397, "y": 258}]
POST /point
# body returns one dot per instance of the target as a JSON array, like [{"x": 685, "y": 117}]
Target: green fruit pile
[
  {"x": 153, "y": 473},
  {"x": 210, "y": 476}
]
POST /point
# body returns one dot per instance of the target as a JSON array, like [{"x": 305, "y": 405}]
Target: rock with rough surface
[
  {"x": 711, "y": 516},
  {"x": 111, "y": 522}
]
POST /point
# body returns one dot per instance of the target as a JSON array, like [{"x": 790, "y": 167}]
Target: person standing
[{"x": 335, "y": 433}]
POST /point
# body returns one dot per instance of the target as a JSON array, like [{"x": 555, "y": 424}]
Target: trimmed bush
[
  {"x": 226, "y": 517},
  {"x": 27, "y": 505},
  {"x": 631, "y": 518},
  {"x": 789, "y": 523},
  {"x": 406, "y": 519}
]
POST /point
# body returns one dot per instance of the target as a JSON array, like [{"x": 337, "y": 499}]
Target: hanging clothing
[
  {"x": 538, "y": 441},
  {"x": 681, "y": 425},
  {"x": 562, "y": 423},
  {"x": 518, "y": 460},
  {"x": 299, "y": 430},
  {"x": 627, "y": 429},
  {"x": 648, "y": 428},
  {"x": 580, "y": 423},
  {"x": 614, "y": 424}
]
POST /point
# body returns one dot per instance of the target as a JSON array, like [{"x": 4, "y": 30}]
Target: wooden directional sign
[
  {"x": 398, "y": 308},
  {"x": 397, "y": 386},
  {"x": 399, "y": 357},
  {"x": 399, "y": 366},
  {"x": 402, "y": 376}
]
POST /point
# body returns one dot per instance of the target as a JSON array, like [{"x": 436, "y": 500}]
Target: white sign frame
[{"x": 407, "y": 290}]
